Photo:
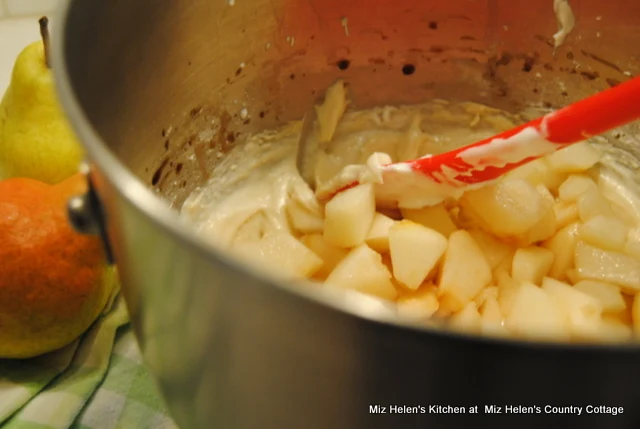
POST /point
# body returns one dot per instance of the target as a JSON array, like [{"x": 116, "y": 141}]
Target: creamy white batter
[{"x": 249, "y": 189}]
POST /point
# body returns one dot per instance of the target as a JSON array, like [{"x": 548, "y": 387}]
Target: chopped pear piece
[
  {"x": 614, "y": 330},
  {"x": 575, "y": 186},
  {"x": 363, "y": 271},
  {"x": 575, "y": 158},
  {"x": 592, "y": 203},
  {"x": 535, "y": 314},
  {"x": 495, "y": 250},
  {"x": 415, "y": 251},
  {"x": 486, "y": 293},
  {"x": 632, "y": 249},
  {"x": 331, "y": 255},
  {"x": 537, "y": 172},
  {"x": 635, "y": 313},
  {"x": 508, "y": 208},
  {"x": 302, "y": 219},
  {"x": 378, "y": 236},
  {"x": 420, "y": 304},
  {"x": 446, "y": 307},
  {"x": 583, "y": 310},
  {"x": 572, "y": 276},
  {"x": 434, "y": 217},
  {"x": 349, "y": 216},
  {"x": 563, "y": 246},
  {"x": 505, "y": 266},
  {"x": 303, "y": 210},
  {"x": 546, "y": 225},
  {"x": 606, "y": 232},
  {"x": 492, "y": 322},
  {"x": 566, "y": 213},
  {"x": 282, "y": 253},
  {"x": 507, "y": 292},
  {"x": 594, "y": 263},
  {"x": 464, "y": 271},
  {"x": 330, "y": 111},
  {"x": 467, "y": 320},
  {"x": 531, "y": 264},
  {"x": 609, "y": 295}
]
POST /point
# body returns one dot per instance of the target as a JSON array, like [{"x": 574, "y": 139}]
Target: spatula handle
[{"x": 589, "y": 117}]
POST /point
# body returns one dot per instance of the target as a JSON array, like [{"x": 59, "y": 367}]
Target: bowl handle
[{"x": 87, "y": 216}]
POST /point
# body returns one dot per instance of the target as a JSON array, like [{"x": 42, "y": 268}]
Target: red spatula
[{"x": 489, "y": 159}]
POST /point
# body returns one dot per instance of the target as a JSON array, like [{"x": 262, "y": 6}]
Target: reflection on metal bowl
[{"x": 154, "y": 88}]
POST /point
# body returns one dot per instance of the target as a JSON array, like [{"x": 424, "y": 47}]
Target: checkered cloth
[{"x": 98, "y": 382}]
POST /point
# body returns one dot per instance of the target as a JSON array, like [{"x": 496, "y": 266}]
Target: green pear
[{"x": 36, "y": 140}]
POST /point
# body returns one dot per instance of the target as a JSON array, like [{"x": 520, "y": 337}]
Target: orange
[{"x": 53, "y": 281}]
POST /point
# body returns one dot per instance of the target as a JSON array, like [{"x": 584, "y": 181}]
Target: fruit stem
[{"x": 44, "y": 32}]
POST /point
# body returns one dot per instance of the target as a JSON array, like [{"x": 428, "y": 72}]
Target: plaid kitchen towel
[{"x": 98, "y": 382}]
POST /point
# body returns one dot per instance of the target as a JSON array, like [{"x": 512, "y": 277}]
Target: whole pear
[
  {"x": 36, "y": 140},
  {"x": 54, "y": 282}
]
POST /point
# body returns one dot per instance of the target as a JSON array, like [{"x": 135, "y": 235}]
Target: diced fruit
[
  {"x": 331, "y": 110},
  {"x": 597, "y": 264},
  {"x": 609, "y": 295},
  {"x": 435, "y": 217},
  {"x": 492, "y": 320},
  {"x": 331, "y": 255},
  {"x": 302, "y": 219},
  {"x": 613, "y": 330},
  {"x": 632, "y": 249},
  {"x": 362, "y": 270},
  {"x": 447, "y": 307},
  {"x": 606, "y": 232},
  {"x": 378, "y": 236},
  {"x": 572, "y": 276},
  {"x": 304, "y": 211},
  {"x": 467, "y": 320},
  {"x": 546, "y": 226},
  {"x": 504, "y": 267},
  {"x": 464, "y": 271},
  {"x": 592, "y": 204},
  {"x": 535, "y": 314},
  {"x": 625, "y": 315},
  {"x": 575, "y": 186},
  {"x": 486, "y": 293},
  {"x": 537, "y": 172},
  {"x": 563, "y": 246},
  {"x": 543, "y": 230},
  {"x": 624, "y": 200},
  {"x": 584, "y": 310},
  {"x": 531, "y": 264},
  {"x": 386, "y": 260},
  {"x": 419, "y": 305},
  {"x": 394, "y": 214},
  {"x": 507, "y": 291},
  {"x": 494, "y": 250},
  {"x": 566, "y": 213},
  {"x": 575, "y": 158},
  {"x": 544, "y": 191},
  {"x": 415, "y": 251},
  {"x": 507, "y": 209},
  {"x": 349, "y": 216},
  {"x": 635, "y": 313},
  {"x": 282, "y": 250}
]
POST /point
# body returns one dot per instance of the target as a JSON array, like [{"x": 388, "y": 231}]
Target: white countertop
[{"x": 15, "y": 35}]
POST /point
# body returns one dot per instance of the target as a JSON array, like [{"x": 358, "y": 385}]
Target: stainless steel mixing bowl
[{"x": 148, "y": 85}]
